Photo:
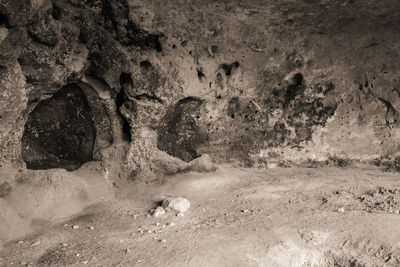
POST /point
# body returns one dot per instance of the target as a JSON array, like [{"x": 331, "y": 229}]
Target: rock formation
[{"x": 254, "y": 82}]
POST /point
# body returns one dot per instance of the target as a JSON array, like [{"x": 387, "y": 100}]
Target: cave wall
[{"x": 277, "y": 81}]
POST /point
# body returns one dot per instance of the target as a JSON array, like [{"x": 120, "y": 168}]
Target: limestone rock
[
  {"x": 158, "y": 212},
  {"x": 178, "y": 204}
]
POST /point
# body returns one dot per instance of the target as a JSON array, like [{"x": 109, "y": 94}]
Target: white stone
[
  {"x": 159, "y": 211},
  {"x": 178, "y": 204},
  {"x": 36, "y": 243}
]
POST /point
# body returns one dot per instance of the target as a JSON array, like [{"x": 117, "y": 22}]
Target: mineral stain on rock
[{"x": 59, "y": 132}]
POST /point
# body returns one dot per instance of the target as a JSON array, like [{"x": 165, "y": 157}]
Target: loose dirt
[{"x": 238, "y": 217}]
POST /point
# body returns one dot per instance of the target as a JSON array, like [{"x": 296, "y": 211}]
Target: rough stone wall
[{"x": 279, "y": 80}]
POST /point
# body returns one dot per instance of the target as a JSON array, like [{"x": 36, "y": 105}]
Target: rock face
[{"x": 255, "y": 82}]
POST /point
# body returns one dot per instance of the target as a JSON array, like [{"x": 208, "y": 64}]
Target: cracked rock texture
[{"x": 254, "y": 82}]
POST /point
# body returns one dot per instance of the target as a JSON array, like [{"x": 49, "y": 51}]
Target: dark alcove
[
  {"x": 59, "y": 132},
  {"x": 181, "y": 131}
]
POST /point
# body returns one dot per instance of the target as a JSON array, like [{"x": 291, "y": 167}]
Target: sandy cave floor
[{"x": 238, "y": 217}]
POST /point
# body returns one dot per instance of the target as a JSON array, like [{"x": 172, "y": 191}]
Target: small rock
[
  {"x": 180, "y": 214},
  {"x": 171, "y": 223},
  {"x": 77, "y": 255},
  {"x": 157, "y": 224},
  {"x": 163, "y": 241},
  {"x": 20, "y": 242},
  {"x": 149, "y": 231},
  {"x": 159, "y": 211},
  {"x": 178, "y": 204},
  {"x": 36, "y": 243},
  {"x": 85, "y": 262},
  {"x": 245, "y": 211},
  {"x": 341, "y": 210},
  {"x": 65, "y": 225},
  {"x": 127, "y": 250},
  {"x": 75, "y": 227},
  {"x": 91, "y": 227}
]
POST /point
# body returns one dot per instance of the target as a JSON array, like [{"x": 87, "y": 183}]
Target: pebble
[
  {"x": 180, "y": 214},
  {"x": 149, "y": 231},
  {"x": 91, "y": 227},
  {"x": 127, "y": 250},
  {"x": 341, "y": 210},
  {"x": 20, "y": 242},
  {"x": 85, "y": 262},
  {"x": 75, "y": 227},
  {"x": 178, "y": 204},
  {"x": 245, "y": 211},
  {"x": 65, "y": 225},
  {"x": 171, "y": 223},
  {"x": 163, "y": 241},
  {"x": 36, "y": 243},
  {"x": 77, "y": 254}
]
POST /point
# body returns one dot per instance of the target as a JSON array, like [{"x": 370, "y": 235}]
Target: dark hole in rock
[
  {"x": 153, "y": 41},
  {"x": 145, "y": 64},
  {"x": 200, "y": 74},
  {"x": 59, "y": 132},
  {"x": 56, "y": 12},
  {"x": 4, "y": 20},
  {"x": 149, "y": 97},
  {"x": 294, "y": 88},
  {"x": 126, "y": 83},
  {"x": 181, "y": 133},
  {"x": 228, "y": 68}
]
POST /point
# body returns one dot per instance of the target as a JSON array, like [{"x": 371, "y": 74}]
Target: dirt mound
[{"x": 37, "y": 198}]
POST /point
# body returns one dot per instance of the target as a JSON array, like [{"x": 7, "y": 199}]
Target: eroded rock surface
[{"x": 255, "y": 82}]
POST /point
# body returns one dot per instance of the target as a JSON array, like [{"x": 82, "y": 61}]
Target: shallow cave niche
[
  {"x": 181, "y": 131},
  {"x": 126, "y": 83},
  {"x": 59, "y": 132}
]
